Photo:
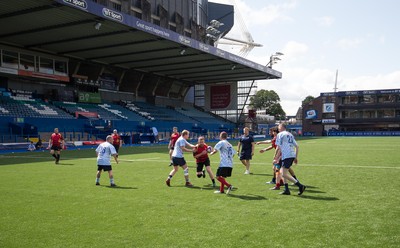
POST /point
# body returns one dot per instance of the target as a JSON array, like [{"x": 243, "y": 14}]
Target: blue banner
[{"x": 365, "y": 133}]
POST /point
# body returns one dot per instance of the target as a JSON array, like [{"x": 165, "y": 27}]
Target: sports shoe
[
  {"x": 301, "y": 189},
  {"x": 275, "y": 188},
  {"x": 285, "y": 192},
  {"x": 113, "y": 185},
  {"x": 170, "y": 164},
  {"x": 188, "y": 184},
  {"x": 97, "y": 183},
  {"x": 218, "y": 192},
  {"x": 229, "y": 190},
  {"x": 247, "y": 172},
  {"x": 168, "y": 182},
  {"x": 272, "y": 182},
  {"x": 204, "y": 174}
]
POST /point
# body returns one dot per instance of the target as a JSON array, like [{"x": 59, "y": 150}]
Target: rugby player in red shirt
[
  {"x": 200, "y": 153},
  {"x": 56, "y": 144},
  {"x": 174, "y": 137},
  {"x": 117, "y": 143}
]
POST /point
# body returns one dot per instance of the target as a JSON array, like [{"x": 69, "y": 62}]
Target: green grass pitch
[{"x": 352, "y": 200}]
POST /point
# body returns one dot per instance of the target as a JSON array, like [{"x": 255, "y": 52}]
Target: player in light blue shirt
[
  {"x": 104, "y": 152},
  {"x": 179, "y": 160},
  {"x": 288, "y": 149},
  {"x": 226, "y": 162}
]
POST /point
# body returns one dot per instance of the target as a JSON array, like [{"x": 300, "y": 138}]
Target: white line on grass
[{"x": 156, "y": 159}]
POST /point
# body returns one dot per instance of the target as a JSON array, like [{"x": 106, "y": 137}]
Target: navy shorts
[
  {"x": 287, "y": 162},
  {"x": 224, "y": 172},
  {"x": 116, "y": 148},
  {"x": 200, "y": 165},
  {"x": 245, "y": 155},
  {"x": 104, "y": 167},
  {"x": 56, "y": 148},
  {"x": 178, "y": 161}
]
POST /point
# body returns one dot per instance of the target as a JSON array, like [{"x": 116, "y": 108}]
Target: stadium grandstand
[{"x": 90, "y": 66}]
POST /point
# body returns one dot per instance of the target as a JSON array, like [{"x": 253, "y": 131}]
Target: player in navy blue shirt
[{"x": 246, "y": 142}]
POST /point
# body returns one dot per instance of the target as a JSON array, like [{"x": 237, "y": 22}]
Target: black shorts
[
  {"x": 287, "y": 162},
  {"x": 172, "y": 148},
  {"x": 245, "y": 155},
  {"x": 178, "y": 161},
  {"x": 200, "y": 165},
  {"x": 116, "y": 148},
  {"x": 224, "y": 171},
  {"x": 56, "y": 148},
  {"x": 104, "y": 167}
]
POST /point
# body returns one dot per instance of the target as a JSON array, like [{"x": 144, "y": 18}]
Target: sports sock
[
  {"x": 298, "y": 184},
  {"x": 221, "y": 188},
  {"x": 169, "y": 176},
  {"x": 278, "y": 185},
  {"x": 294, "y": 177},
  {"x": 213, "y": 181},
  {"x": 97, "y": 180},
  {"x": 223, "y": 181},
  {"x": 58, "y": 156},
  {"x": 54, "y": 156},
  {"x": 111, "y": 180},
  {"x": 286, "y": 187}
]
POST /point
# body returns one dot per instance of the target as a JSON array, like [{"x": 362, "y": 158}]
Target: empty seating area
[
  {"x": 200, "y": 116},
  {"x": 106, "y": 111},
  {"x": 25, "y": 106},
  {"x": 159, "y": 113}
]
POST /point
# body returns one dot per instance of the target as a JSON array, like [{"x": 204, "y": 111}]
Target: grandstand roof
[{"x": 67, "y": 28}]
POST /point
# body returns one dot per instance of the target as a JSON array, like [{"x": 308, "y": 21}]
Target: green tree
[
  {"x": 307, "y": 100},
  {"x": 268, "y": 100}
]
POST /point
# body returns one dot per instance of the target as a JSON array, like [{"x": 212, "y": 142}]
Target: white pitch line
[{"x": 214, "y": 162}]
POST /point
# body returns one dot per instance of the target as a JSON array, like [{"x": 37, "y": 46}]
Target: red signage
[{"x": 220, "y": 96}]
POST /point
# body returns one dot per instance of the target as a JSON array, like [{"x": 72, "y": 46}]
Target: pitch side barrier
[{"x": 361, "y": 133}]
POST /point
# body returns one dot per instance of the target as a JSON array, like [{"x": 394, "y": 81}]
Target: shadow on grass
[
  {"x": 248, "y": 197},
  {"x": 117, "y": 187},
  {"x": 64, "y": 164},
  {"x": 319, "y": 198}
]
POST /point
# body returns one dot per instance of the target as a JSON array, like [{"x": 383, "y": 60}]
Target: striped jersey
[
  {"x": 226, "y": 153},
  {"x": 287, "y": 144}
]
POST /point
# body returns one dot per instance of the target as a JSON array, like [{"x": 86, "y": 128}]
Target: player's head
[
  {"x": 56, "y": 130},
  {"x": 175, "y": 129},
  {"x": 115, "y": 131},
  {"x": 281, "y": 127},
  {"x": 246, "y": 130},
  {"x": 109, "y": 138},
  {"x": 223, "y": 136},
  {"x": 200, "y": 140},
  {"x": 185, "y": 134}
]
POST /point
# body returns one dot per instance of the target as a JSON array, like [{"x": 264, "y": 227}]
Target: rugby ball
[{"x": 209, "y": 149}]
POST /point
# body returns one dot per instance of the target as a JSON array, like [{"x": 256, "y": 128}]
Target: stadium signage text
[
  {"x": 152, "y": 29},
  {"x": 204, "y": 47},
  {"x": 184, "y": 40},
  {"x": 78, "y": 3},
  {"x": 113, "y": 15}
]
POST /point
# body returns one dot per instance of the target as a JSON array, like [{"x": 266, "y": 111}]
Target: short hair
[
  {"x": 115, "y": 130},
  {"x": 224, "y": 135},
  {"x": 108, "y": 137},
  {"x": 201, "y": 138},
  {"x": 175, "y": 128},
  {"x": 246, "y": 128},
  {"x": 185, "y": 132},
  {"x": 283, "y": 125}
]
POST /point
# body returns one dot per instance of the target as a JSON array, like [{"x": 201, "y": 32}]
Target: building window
[
  {"x": 386, "y": 113},
  {"x": 387, "y": 98},
  {"x": 350, "y": 100},
  {"x": 367, "y": 114},
  {"x": 368, "y": 99},
  {"x": 27, "y": 62},
  {"x": 350, "y": 114},
  {"x": 116, "y": 6}
]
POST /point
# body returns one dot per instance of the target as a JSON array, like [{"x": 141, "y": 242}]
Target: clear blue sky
[{"x": 359, "y": 38}]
